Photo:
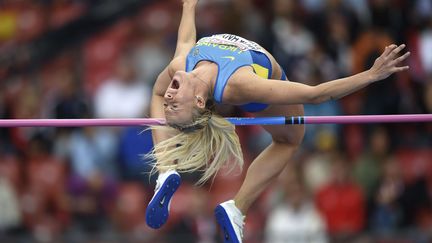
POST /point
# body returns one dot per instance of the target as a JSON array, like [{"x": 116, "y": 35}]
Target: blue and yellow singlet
[{"x": 231, "y": 52}]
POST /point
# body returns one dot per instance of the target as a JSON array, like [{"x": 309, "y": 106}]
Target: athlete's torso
[{"x": 229, "y": 53}]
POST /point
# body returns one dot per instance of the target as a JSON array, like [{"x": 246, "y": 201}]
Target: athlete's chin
[{"x": 174, "y": 120}]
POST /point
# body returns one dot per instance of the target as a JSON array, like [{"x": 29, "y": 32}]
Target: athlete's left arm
[
  {"x": 249, "y": 87},
  {"x": 186, "y": 38}
]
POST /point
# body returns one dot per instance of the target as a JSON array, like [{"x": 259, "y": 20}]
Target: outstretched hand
[{"x": 388, "y": 63}]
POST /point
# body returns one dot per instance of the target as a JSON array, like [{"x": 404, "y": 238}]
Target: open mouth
[{"x": 175, "y": 84}]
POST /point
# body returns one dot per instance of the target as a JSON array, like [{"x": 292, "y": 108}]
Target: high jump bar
[{"x": 238, "y": 121}]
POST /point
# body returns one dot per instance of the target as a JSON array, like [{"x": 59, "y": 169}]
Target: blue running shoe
[
  {"x": 231, "y": 221},
  {"x": 158, "y": 209}
]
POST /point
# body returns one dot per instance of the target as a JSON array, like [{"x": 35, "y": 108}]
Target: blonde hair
[{"x": 206, "y": 145}]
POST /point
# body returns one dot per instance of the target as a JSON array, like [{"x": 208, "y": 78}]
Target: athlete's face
[{"x": 180, "y": 99}]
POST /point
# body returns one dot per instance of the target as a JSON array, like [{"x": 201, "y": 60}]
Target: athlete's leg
[
  {"x": 263, "y": 170},
  {"x": 268, "y": 165}
]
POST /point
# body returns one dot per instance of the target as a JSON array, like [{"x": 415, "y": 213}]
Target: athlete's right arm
[
  {"x": 186, "y": 37},
  {"x": 157, "y": 100}
]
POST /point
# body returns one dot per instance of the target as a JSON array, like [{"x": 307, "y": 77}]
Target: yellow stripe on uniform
[{"x": 260, "y": 70}]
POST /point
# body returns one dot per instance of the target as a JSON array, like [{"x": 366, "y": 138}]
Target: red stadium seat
[{"x": 101, "y": 53}]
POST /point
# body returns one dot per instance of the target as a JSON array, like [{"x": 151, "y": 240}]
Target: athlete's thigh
[{"x": 292, "y": 134}]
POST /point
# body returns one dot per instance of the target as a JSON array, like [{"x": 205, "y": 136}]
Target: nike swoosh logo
[
  {"x": 229, "y": 57},
  {"x": 162, "y": 201}
]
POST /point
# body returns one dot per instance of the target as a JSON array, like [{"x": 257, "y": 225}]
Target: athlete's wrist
[
  {"x": 189, "y": 4},
  {"x": 370, "y": 76}
]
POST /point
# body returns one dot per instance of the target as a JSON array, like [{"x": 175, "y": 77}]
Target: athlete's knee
[
  {"x": 287, "y": 147},
  {"x": 292, "y": 138},
  {"x": 285, "y": 151}
]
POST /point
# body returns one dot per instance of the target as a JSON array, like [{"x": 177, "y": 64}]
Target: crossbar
[{"x": 238, "y": 121}]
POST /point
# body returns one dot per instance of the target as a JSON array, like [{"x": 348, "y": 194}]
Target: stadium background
[{"x": 99, "y": 59}]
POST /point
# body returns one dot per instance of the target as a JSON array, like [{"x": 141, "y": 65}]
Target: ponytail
[{"x": 205, "y": 145}]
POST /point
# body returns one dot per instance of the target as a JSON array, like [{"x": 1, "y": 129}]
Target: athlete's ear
[{"x": 201, "y": 103}]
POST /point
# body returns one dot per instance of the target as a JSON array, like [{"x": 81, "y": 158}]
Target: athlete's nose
[{"x": 168, "y": 96}]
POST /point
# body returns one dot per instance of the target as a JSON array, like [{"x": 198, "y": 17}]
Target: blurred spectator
[
  {"x": 398, "y": 204},
  {"x": 387, "y": 212},
  {"x": 421, "y": 61},
  {"x": 28, "y": 106},
  {"x": 295, "y": 218},
  {"x": 317, "y": 161},
  {"x": 367, "y": 170},
  {"x": 152, "y": 49},
  {"x": 11, "y": 186},
  {"x": 92, "y": 185},
  {"x": 101, "y": 53},
  {"x": 92, "y": 151},
  {"x": 135, "y": 142},
  {"x": 334, "y": 9},
  {"x": 341, "y": 203},
  {"x": 359, "y": 7},
  {"x": 70, "y": 103},
  {"x": 129, "y": 213},
  {"x": 192, "y": 216},
  {"x": 387, "y": 16},
  {"x": 211, "y": 16},
  {"x": 423, "y": 8},
  {"x": 44, "y": 201},
  {"x": 292, "y": 40},
  {"x": 11, "y": 170},
  {"x": 338, "y": 44},
  {"x": 122, "y": 96},
  {"x": 151, "y": 56},
  {"x": 244, "y": 20},
  {"x": 10, "y": 215}
]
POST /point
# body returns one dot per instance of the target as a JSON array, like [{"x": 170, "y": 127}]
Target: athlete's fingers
[
  {"x": 395, "y": 51},
  {"x": 401, "y": 58},
  {"x": 400, "y": 69},
  {"x": 388, "y": 49}
]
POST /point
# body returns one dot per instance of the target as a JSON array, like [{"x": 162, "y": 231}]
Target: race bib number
[{"x": 232, "y": 40}]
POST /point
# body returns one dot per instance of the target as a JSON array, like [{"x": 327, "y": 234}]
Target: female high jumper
[{"x": 228, "y": 69}]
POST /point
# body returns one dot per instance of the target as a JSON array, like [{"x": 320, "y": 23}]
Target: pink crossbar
[
  {"x": 417, "y": 118},
  {"x": 368, "y": 119}
]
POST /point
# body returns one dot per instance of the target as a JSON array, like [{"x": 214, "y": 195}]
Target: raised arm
[
  {"x": 186, "y": 38},
  {"x": 185, "y": 41},
  {"x": 277, "y": 92},
  {"x": 157, "y": 100}
]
